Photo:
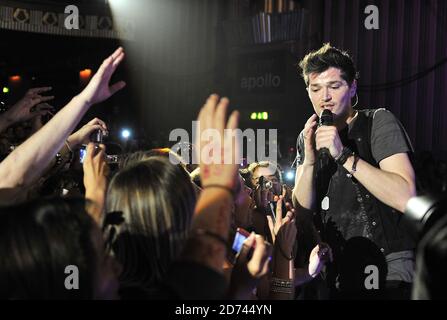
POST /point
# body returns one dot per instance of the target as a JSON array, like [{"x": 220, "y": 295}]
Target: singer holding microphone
[{"x": 355, "y": 175}]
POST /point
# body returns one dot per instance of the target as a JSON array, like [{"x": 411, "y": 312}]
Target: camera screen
[
  {"x": 82, "y": 153},
  {"x": 238, "y": 242}
]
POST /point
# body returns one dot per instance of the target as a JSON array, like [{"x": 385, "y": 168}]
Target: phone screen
[
  {"x": 239, "y": 238},
  {"x": 82, "y": 153}
]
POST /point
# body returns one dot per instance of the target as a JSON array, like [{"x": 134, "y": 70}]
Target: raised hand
[
  {"x": 214, "y": 170},
  {"x": 41, "y": 110},
  {"x": 286, "y": 193},
  {"x": 26, "y": 108},
  {"x": 248, "y": 270},
  {"x": 98, "y": 88},
  {"x": 319, "y": 256},
  {"x": 275, "y": 226},
  {"x": 82, "y": 135},
  {"x": 309, "y": 140}
]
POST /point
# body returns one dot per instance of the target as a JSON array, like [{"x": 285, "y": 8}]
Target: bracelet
[
  {"x": 281, "y": 290},
  {"x": 354, "y": 167},
  {"x": 231, "y": 191},
  {"x": 344, "y": 155},
  {"x": 203, "y": 232},
  {"x": 68, "y": 146},
  {"x": 278, "y": 282},
  {"x": 281, "y": 285}
]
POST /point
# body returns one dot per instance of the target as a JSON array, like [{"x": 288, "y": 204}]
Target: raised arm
[
  {"x": 29, "y": 160},
  {"x": 211, "y": 223}
]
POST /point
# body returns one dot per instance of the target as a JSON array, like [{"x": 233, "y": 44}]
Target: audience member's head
[
  {"x": 51, "y": 246},
  {"x": 157, "y": 152},
  {"x": 270, "y": 171},
  {"x": 157, "y": 200}
]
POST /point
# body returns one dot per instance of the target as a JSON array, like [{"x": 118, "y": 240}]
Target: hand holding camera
[
  {"x": 96, "y": 171},
  {"x": 93, "y": 131},
  {"x": 263, "y": 195},
  {"x": 252, "y": 263},
  {"x": 95, "y": 139}
]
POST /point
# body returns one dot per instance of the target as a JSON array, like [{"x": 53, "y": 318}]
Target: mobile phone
[{"x": 239, "y": 238}]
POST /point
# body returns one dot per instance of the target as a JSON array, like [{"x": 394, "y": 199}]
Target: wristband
[{"x": 343, "y": 157}]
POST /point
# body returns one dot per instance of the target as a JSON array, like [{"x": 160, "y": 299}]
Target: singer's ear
[{"x": 353, "y": 89}]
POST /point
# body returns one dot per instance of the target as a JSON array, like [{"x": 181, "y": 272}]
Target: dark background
[{"x": 183, "y": 51}]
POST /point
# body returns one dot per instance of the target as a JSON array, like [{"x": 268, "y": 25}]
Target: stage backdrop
[{"x": 403, "y": 64}]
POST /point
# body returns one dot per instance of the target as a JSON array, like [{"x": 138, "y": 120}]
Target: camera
[
  {"x": 96, "y": 136},
  {"x": 265, "y": 184},
  {"x": 110, "y": 158},
  {"x": 424, "y": 211}
]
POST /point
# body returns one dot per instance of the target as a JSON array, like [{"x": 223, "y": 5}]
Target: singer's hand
[
  {"x": 327, "y": 137},
  {"x": 309, "y": 140}
]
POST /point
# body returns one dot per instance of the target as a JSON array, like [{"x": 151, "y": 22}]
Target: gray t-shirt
[{"x": 388, "y": 137}]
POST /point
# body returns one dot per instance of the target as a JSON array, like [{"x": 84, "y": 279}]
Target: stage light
[
  {"x": 259, "y": 115},
  {"x": 15, "y": 78},
  {"x": 5, "y": 90},
  {"x": 125, "y": 133},
  {"x": 290, "y": 175},
  {"x": 85, "y": 74}
]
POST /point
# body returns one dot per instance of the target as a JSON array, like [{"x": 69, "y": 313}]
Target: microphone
[{"x": 326, "y": 119}]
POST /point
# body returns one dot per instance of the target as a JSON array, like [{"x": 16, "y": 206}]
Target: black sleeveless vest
[{"x": 353, "y": 210}]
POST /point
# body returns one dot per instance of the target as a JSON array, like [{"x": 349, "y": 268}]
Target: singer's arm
[
  {"x": 304, "y": 190},
  {"x": 393, "y": 183}
]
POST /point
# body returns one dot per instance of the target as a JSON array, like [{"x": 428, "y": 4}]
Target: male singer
[{"x": 360, "y": 191}]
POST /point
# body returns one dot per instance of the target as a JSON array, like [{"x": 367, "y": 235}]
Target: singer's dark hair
[{"x": 327, "y": 56}]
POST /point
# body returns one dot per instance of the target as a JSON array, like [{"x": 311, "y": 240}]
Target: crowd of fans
[{"x": 141, "y": 227}]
